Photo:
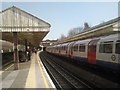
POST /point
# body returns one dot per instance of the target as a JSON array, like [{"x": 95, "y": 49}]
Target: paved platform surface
[{"x": 31, "y": 74}]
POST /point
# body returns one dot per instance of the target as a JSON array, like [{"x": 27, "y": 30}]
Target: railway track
[
  {"x": 61, "y": 77},
  {"x": 87, "y": 78}
]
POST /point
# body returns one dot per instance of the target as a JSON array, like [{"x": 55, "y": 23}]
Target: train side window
[
  {"x": 76, "y": 48},
  {"x": 117, "y": 49},
  {"x": 72, "y": 48},
  {"x": 65, "y": 47},
  {"x": 106, "y": 47},
  {"x": 82, "y": 48}
]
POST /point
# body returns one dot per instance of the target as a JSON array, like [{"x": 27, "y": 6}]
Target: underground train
[{"x": 101, "y": 51}]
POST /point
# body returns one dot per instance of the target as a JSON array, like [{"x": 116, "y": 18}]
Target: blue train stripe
[
  {"x": 100, "y": 63},
  {"x": 108, "y": 64}
]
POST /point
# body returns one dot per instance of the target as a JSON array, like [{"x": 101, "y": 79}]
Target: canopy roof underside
[{"x": 33, "y": 38}]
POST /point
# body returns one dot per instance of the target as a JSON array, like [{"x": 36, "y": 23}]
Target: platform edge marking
[
  {"x": 31, "y": 81},
  {"x": 8, "y": 67},
  {"x": 45, "y": 81},
  {"x": 51, "y": 82},
  {"x": 1, "y": 72}
]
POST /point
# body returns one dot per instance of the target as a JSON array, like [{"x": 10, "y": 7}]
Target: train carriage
[
  {"x": 80, "y": 50},
  {"x": 64, "y": 49},
  {"x": 102, "y": 51},
  {"x": 108, "y": 52},
  {"x": 55, "y": 51},
  {"x": 50, "y": 49},
  {"x": 58, "y": 48},
  {"x": 70, "y": 49}
]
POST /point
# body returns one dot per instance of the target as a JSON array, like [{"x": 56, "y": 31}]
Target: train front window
[{"x": 117, "y": 49}]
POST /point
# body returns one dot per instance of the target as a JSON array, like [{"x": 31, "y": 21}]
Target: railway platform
[{"x": 31, "y": 74}]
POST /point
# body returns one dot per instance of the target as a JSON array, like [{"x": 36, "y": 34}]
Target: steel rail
[
  {"x": 67, "y": 83},
  {"x": 71, "y": 79}
]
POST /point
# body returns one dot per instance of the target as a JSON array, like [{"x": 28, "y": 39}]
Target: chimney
[{"x": 86, "y": 26}]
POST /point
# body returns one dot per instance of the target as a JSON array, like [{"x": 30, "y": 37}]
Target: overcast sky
[{"x": 64, "y": 16}]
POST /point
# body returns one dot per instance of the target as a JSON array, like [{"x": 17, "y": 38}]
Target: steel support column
[
  {"x": 26, "y": 46},
  {"x": 16, "y": 55},
  {"x": 26, "y": 50}
]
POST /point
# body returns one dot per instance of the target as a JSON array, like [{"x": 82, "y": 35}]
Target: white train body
[{"x": 103, "y": 51}]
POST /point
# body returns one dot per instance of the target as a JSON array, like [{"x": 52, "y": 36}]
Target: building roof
[
  {"x": 106, "y": 28},
  {"x": 27, "y": 26},
  {"x": 24, "y": 12}
]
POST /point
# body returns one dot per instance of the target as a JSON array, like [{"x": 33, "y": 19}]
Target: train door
[
  {"x": 92, "y": 51},
  {"x": 66, "y": 50},
  {"x": 59, "y": 50},
  {"x": 71, "y": 49}
]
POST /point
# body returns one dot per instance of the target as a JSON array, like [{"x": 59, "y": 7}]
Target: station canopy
[{"x": 27, "y": 26}]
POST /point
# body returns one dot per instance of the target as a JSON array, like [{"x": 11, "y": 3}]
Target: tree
[
  {"x": 62, "y": 37},
  {"x": 74, "y": 31}
]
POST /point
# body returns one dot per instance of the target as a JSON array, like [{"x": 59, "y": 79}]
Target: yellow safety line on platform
[
  {"x": 45, "y": 81},
  {"x": 8, "y": 67},
  {"x": 31, "y": 79},
  {"x": 1, "y": 72}
]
